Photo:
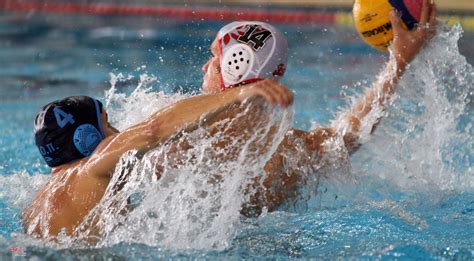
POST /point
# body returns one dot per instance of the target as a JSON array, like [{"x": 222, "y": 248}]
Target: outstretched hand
[
  {"x": 272, "y": 91},
  {"x": 407, "y": 44}
]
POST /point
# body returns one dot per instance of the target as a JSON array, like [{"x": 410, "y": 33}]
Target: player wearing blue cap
[{"x": 75, "y": 138}]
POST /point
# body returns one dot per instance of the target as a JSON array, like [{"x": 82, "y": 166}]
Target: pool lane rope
[{"x": 187, "y": 13}]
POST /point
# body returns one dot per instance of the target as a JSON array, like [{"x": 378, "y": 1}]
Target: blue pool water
[{"x": 413, "y": 194}]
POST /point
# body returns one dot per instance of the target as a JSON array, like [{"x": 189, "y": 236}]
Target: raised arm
[
  {"x": 406, "y": 45},
  {"x": 183, "y": 115},
  {"x": 305, "y": 149}
]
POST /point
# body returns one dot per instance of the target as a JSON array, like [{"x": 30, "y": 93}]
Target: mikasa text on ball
[{"x": 371, "y": 18}]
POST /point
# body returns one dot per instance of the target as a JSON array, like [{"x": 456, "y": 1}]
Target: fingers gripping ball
[{"x": 371, "y": 18}]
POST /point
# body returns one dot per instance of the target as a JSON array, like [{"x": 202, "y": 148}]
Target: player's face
[
  {"x": 108, "y": 129},
  {"x": 212, "y": 79}
]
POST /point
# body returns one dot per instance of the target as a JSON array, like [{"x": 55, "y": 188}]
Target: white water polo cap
[{"x": 251, "y": 51}]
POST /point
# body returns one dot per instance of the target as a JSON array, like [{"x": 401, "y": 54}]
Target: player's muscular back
[{"x": 63, "y": 203}]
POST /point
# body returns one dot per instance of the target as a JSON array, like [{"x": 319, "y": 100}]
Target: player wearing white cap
[{"x": 249, "y": 51}]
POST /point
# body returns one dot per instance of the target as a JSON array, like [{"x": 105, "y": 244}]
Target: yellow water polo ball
[{"x": 371, "y": 19}]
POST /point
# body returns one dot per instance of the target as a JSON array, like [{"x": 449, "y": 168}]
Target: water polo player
[
  {"x": 248, "y": 51},
  {"x": 76, "y": 140}
]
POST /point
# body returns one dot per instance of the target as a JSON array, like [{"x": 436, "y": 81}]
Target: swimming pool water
[{"x": 420, "y": 213}]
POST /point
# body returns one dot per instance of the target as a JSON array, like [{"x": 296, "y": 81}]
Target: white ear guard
[{"x": 237, "y": 63}]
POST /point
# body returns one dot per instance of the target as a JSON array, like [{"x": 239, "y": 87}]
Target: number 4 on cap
[{"x": 62, "y": 118}]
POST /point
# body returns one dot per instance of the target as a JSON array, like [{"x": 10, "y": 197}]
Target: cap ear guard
[
  {"x": 86, "y": 139},
  {"x": 236, "y": 63}
]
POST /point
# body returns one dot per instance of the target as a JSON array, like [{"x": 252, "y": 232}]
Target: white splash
[
  {"x": 127, "y": 110},
  {"x": 425, "y": 142},
  {"x": 196, "y": 201}
]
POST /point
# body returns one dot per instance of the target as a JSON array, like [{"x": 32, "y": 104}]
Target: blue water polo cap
[{"x": 69, "y": 129}]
